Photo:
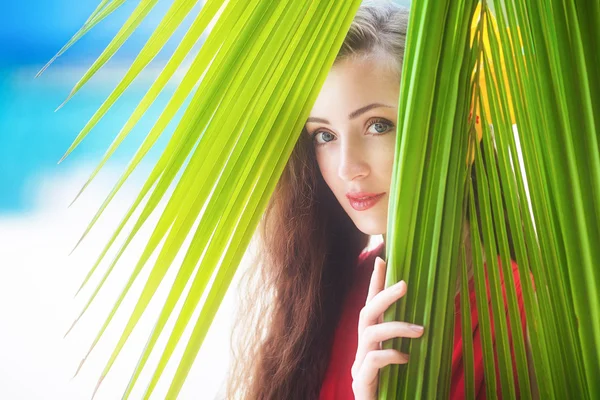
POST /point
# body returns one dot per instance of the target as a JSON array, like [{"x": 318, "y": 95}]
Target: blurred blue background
[{"x": 32, "y": 136}]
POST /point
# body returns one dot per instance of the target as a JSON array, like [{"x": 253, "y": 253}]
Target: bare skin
[
  {"x": 370, "y": 357},
  {"x": 353, "y": 128}
]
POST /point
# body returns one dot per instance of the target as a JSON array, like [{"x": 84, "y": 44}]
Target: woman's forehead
[{"x": 352, "y": 84}]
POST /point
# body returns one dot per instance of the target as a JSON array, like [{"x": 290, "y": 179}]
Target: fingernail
[
  {"x": 397, "y": 287},
  {"x": 416, "y": 328}
]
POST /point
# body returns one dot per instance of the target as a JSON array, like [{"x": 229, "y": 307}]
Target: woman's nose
[{"x": 353, "y": 161}]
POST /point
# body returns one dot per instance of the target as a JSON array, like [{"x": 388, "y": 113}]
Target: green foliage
[
  {"x": 534, "y": 67},
  {"x": 531, "y": 65}
]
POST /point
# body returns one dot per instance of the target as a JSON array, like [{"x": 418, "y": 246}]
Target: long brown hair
[{"x": 291, "y": 296}]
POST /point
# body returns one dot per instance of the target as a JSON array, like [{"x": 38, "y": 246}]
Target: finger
[
  {"x": 377, "y": 278},
  {"x": 371, "y": 312},
  {"x": 375, "y": 334},
  {"x": 374, "y": 361}
]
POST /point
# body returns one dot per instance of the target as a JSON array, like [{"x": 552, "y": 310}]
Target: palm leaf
[
  {"x": 473, "y": 72},
  {"x": 514, "y": 48}
]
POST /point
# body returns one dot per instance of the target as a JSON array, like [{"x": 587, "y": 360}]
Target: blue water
[{"x": 33, "y": 137}]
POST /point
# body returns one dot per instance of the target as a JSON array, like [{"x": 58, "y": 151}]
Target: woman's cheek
[
  {"x": 327, "y": 165},
  {"x": 387, "y": 149}
]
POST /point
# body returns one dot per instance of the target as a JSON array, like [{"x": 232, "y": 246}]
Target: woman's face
[{"x": 354, "y": 126}]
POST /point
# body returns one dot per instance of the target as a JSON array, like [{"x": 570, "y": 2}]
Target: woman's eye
[
  {"x": 325, "y": 136},
  {"x": 380, "y": 126},
  {"x": 376, "y": 126}
]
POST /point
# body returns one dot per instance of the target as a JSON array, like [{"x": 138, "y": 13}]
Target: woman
[{"x": 298, "y": 329}]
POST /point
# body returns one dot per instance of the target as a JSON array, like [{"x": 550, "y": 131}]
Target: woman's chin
[
  {"x": 370, "y": 227},
  {"x": 370, "y": 222}
]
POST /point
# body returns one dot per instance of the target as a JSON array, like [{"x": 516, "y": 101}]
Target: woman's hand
[{"x": 372, "y": 331}]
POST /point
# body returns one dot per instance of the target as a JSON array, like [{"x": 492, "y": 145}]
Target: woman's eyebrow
[
  {"x": 365, "y": 109},
  {"x": 353, "y": 114}
]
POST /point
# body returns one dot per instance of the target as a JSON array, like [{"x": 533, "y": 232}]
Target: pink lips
[{"x": 363, "y": 201}]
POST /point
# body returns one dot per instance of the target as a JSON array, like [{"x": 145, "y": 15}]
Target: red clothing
[{"x": 337, "y": 384}]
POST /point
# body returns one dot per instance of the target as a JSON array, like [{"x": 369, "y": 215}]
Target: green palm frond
[
  {"x": 258, "y": 74},
  {"x": 526, "y": 65},
  {"x": 535, "y": 62}
]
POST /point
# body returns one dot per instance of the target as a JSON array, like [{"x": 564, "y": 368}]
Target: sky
[{"x": 38, "y": 229}]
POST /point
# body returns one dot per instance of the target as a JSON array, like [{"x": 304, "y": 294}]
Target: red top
[{"x": 337, "y": 384}]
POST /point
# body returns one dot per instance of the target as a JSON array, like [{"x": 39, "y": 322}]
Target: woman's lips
[{"x": 364, "y": 203}]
